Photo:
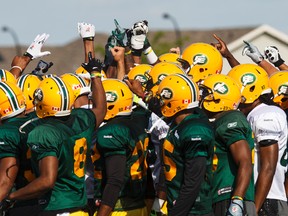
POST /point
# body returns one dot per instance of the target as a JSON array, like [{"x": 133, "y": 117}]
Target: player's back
[{"x": 68, "y": 139}]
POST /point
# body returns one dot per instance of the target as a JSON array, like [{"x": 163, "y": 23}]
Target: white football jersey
[{"x": 269, "y": 123}]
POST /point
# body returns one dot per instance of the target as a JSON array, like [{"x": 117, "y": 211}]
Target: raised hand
[
  {"x": 252, "y": 51},
  {"x": 34, "y": 50},
  {"x": 86, "y": 31}
]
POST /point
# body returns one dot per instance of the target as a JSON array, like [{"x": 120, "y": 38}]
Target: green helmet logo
[
  {"x": 248, "y": 78},
  {"x": 166, "y": 93},
  {"x": 111, "y": 97},
  {"x": 142, "y": 79},
  {"x": 161, "y": 77},
  {"x": 283, "y": 90},
  {"x": 221, "y": 88},
  {"x": 200, "y": 59}
]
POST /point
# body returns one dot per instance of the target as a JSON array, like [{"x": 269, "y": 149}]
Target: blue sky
[{"x": 59, "y": 18}]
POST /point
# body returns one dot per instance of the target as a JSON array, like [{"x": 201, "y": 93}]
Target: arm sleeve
[
  {"x": 115, "y": 169},
  {"x": 195, "y": 169}
]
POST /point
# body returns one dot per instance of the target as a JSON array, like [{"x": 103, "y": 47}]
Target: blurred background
[{"x": 171, "y": 24}]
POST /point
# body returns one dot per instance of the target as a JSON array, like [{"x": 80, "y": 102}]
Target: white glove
[
  {"x": 157, "y": 204},
  {"x": 34, "y": 50},
  {"x": 139, "y": 33},
  {"x": 86, "y": 31},
  {"x": 272, "y": 54},
  {"x": 235, "y": 208},
  {"x": 252, "y": 51}
]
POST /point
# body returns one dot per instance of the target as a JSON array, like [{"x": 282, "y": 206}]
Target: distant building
[{"x": 69, "y": 57}]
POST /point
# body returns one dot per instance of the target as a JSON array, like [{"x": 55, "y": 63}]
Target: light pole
[
  {"x": 15, "y": 39},
  {"x": 176, "y": 29}
]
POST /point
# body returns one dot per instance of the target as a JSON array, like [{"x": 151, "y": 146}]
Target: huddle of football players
[{"x": 172, "y": 136}]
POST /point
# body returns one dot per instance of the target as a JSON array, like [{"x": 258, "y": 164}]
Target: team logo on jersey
[
  {"x": 166, "y": 93},
  {"x": 111, "y": 97},
  {"x": 200, "y": 59},
  {"x": 248, "y": 78},
  {"x": 221, "y": 88},
  {"x": 38, "y": 94},
  {"x": 283, "y": 90},
  {"x": 232, "y": 124}
]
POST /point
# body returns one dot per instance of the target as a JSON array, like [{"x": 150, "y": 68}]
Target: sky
[{"x": 59, "y": 18}]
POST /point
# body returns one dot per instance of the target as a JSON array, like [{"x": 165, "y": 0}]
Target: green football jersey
[
  {"x": 67, "y": 138},
  {"x": 124, "y": 135},
  {"x": 192, "y": 137},
  {"x": 13, "y": 140},
  {"x": 230, "y": 126}
]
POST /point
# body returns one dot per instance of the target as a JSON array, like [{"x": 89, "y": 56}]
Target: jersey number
[
  {"x": 80, "y": 150},
  {"x": 170, "y": 166},
  {"x": 139, "y": 167}
]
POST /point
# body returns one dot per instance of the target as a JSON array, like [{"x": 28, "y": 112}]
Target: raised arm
[
  {"x": 19, "y": 63},
  {"x": 94, "y": 67},
  {"x": 225, "y": 52},
  {"x": 252, "y": 52},
  {"x": 273, "y": 55}
]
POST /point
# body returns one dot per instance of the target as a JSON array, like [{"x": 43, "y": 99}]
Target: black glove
[
  {"x": 5, "y": 205},
  {"x": 93, "y": 65},
  {"x": 272, "y": 54},
  {"x": 154, "y": 105},
  {"x": 42, "y": 68}
]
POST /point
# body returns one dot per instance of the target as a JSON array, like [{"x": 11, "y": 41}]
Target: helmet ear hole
[
  {"x": 252, "y": 88},
  {"x": 110, "y": 107},
  {"x": 122, "y": 92},
  {"x": 169, "y": 105},
  {"x": 217, "y": 101}
]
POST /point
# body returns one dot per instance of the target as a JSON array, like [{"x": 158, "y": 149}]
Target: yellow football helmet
[
  {"x": 78, "y": 84},
  {"x": 7, "y": 76},
  {"x": 140, "y": 72},
  {"x": 219, "y": 93},
  {"x": 279, "y": 84},
  {"x": 169, "y": 57},
  {"x": 177, "y": 92},
  {"x": 80, "y": 71},
  {"x": 12, "y": 100},
  {"x": 158, "y": 72},
  {"x": 204, "y": 59},
  {"x": 252, "y": 80},
  {"x": 53, "y": 97},
  {"x": 48, "y": 75},
  {"x": 119, "y": 98},
  {"x": 28, "y": 83}
]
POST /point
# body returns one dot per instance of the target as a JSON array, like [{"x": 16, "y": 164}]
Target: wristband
[
  {"x": 237, "y": 197},
  {"x": 147, "y": 96},
  {"x": 279, "y": 62},
  {"x": 88, "y": 39},
  {"x": 150, "y": 55},
  {"x": 137, "y": 52},
  {"x": 96, "y": 75},
  {"x": 128, "y": 52},
  {"x": 21, "y": 70},
  {"x": 28, "y": 55}
]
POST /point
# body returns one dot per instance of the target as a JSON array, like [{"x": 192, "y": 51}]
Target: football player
[
  {"x": 120, "y": 155},
  {"x": 269, "y": 126},
  {"x": 233, "y": 183},
  {"x": 59, "y": 144},
  {"x": 187, "y": 148}
]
